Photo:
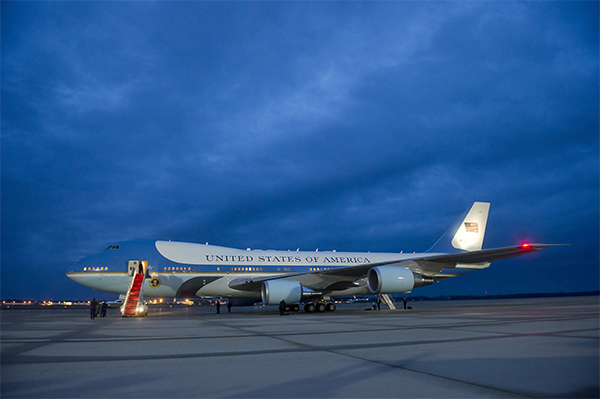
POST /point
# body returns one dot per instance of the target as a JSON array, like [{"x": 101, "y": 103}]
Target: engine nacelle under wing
[
  {"x": 393, "y": 280},
  {"x": 274, "y": 291}
]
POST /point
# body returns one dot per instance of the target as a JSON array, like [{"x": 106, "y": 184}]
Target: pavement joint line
[
  {"x": 278, "y": 336},
  {"x": 55, "y": 359},
  {"x": 31, "y": 345},
  {"x": 547, "y": 334},
  {"x": 86, "y": 359},
  {"x": 499, "y": 335},
  {"x": 434, "y": 375},
  {"x": 248, "y": 333},
  {"x": 336, "y": 351}
]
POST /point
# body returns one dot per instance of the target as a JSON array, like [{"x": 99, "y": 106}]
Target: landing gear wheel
[
  {"x": 330, "y": 307},
  {"x": 309, "y": 307},
  {"x": 321, "y": 307},
  {"x": 295, "y": 308}
]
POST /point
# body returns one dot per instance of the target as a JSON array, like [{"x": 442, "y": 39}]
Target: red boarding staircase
[{"x": 134, "y": 295}]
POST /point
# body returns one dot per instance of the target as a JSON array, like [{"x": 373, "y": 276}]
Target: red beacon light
[{"x": 525, "y": 245}]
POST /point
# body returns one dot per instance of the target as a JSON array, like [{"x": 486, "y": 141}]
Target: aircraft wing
[
  {"x": 489, "y": 255},
  {"x": 430, "y": 266},
  {"x": 425, "y": 264}
]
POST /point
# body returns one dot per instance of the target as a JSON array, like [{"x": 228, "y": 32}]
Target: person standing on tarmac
[
  {"x": 229, "y": 305},
  {"x": 93, "y": 305},
  {"x": 282, "y": 307},
  {"x": 219, "y": 306}
]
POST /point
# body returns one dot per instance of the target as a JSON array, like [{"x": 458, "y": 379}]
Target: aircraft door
[
  {"x": 133, "y": 267},
  {"x": 137, "y": 267}
]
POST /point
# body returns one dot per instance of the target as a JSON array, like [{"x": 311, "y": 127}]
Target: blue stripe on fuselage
[{"x": 116, "y": 258}]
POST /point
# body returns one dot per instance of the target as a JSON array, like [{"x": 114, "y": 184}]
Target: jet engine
[
  {"x": 394, "y": 280},
  {"x": 276, "y": 290}
]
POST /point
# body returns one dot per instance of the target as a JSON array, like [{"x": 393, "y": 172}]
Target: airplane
[{"x": 186, "y": 270}]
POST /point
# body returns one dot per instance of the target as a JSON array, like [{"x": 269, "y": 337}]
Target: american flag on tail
[{"x": 471, "y": 227}]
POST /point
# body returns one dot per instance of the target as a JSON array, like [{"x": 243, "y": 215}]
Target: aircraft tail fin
[{"x": 467, "y": 233}]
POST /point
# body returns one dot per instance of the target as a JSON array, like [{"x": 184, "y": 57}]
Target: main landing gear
[{"x": 319, "y": 307}]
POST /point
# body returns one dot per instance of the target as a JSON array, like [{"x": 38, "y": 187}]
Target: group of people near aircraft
[{"x": 98, "y": 308}]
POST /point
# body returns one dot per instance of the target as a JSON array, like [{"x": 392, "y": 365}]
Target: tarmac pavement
[{"x": 455, "y": 349}]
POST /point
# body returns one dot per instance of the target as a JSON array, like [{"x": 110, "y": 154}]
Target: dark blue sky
[{"x": 352, "y": 126}]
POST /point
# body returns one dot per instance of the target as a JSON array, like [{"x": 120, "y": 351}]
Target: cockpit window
[{"x": 112, "y": 247}]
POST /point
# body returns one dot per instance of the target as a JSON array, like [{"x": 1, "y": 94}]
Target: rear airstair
[
  {"x": 134, "y": 303},
  {"x": 388, "y": 301}
]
